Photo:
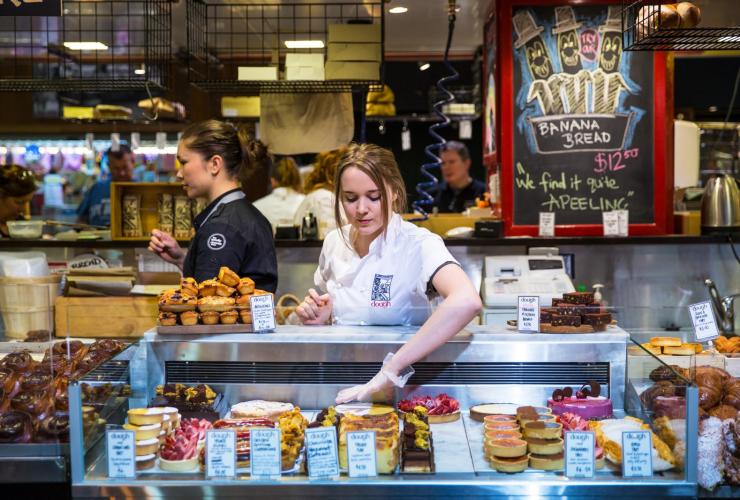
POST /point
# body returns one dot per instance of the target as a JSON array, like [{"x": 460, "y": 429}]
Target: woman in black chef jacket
[{"x": 214, "y": 157}]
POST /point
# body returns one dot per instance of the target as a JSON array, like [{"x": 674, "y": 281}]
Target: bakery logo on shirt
[
  {"x": 216, "y": 241},
  {"x": 381, "y": 293}
]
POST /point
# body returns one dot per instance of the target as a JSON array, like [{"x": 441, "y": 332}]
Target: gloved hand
[{"x": 380, "y": 383}]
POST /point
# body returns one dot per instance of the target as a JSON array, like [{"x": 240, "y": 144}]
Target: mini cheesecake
[
  {"x": 145, "y": 462},
  {"x": 546, "y": 462},
  {"x": 145, "y": 416},
  {"x": 502, "y": 434},
  {"x": 144, "y": 432},
  {"x": 544, "y": 446},
  {"x": 179, "y": 465},
  {"x": 510, "y": 465},
  {"x": 147, "y": 447},
  {"x": 507, "y": 448},
  {"x": 501, "y": 426},
  {"x": 498, "y": 418},
  {"x": 543, "y": 430},
  {"x": 539, "y": 418}
]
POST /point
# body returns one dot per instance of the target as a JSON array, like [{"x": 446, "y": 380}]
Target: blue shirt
[{"x": 96, "y": 205}]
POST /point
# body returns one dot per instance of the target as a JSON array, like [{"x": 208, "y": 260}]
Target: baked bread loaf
[{"x": 689, "y": 14}]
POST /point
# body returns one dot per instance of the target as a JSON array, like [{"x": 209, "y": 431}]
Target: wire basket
[
  {"x": 226, "y": 35},
  {"x": 95, "y": 46},
  {"x": 644, "y": 28}
]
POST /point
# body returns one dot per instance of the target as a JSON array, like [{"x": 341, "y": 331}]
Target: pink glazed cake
[{"x": 589, "y": 408}]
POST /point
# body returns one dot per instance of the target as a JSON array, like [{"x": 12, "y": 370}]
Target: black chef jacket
[
  {"x": 449, "y": 200},
  {"x": 235, "y": 235}
]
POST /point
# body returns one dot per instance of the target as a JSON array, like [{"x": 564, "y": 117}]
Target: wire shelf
[
  {"x": 38, "y": 53},
  {"x": 643, "y": 28},
  {"x": 226, "y": 35}
]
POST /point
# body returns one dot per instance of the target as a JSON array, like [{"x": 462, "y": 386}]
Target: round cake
[{"x": 589, "y": 408}]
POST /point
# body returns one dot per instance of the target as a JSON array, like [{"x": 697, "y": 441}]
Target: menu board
[{"x": 582, "y": 117}]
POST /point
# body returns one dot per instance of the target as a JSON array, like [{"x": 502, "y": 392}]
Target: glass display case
[{"x": 306, "y": 366}]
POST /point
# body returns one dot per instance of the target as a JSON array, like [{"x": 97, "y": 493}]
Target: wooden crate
[
  {"x": 149, "y": 205},
  {"x": 104, "y": 316}
]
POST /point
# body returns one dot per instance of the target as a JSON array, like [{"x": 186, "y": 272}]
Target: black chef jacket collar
[{"x": 198, "y": 221}]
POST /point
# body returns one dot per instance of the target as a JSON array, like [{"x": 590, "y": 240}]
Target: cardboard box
[
  {"x": 341, "y": 51},
  {"x": 304, "y": 73},
  {"x": 354, "y": 33},
  {"x": 293, "y": 60},
  {"x": 242, "y": 106},
  {"x": 257, "y": 73},
  {"x": 104, "y": 316},
  {"x": 338, "y": 70},
  {"x": 78, "y": 112}
]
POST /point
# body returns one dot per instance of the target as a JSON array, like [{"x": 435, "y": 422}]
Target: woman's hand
[
  {"x": 315, "y": 309},
  {"x": 167, "y": 248},
  {"x": 380, "y": 388}
]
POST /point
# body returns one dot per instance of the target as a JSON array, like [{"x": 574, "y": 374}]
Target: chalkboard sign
[{"x": 582, "y": 120}]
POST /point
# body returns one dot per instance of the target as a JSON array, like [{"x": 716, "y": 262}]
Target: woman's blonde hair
[
  {"x": 324, "y": 171},
  {"x": 380, "y": 165},
  {"x": 287, "y": 175}
]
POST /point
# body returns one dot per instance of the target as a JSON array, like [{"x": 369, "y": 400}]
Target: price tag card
[
  {"x": 321, "y": 451},
  {"x": 115, "y": 142},
  {"x": 265, "y": 456},
  {"x": 121, "y": 454},
  {"x": 637, "y": 454},
  {"x": 623, "y": 222},
  {"x": 528, "y": 314},
  {"x": 705, "y": 326},
  {"x": 611, "y": 223},
  {"x": 263, "y": 312},
  {"x": 580, "y": 460},
  {"x": 220, "y": 454},
  {"x": 361, "y": 454},
  {"x": 466, "y": 129},
  {"x": 547, "y": 224}
]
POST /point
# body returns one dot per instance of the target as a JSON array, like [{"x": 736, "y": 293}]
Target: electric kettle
[{"x": 720, "y": 205}]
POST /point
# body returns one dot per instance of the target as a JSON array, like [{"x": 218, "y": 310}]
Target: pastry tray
[{"x": 204, "y": 329}]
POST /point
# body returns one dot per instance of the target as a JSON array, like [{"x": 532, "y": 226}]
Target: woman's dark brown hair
[
  {"x": 16, "y": 181},
  {"x": 287, "y": 175},
  {"x": 240, "y": 153},
  {"x": 380, "y": 165},
  {"x": 324, "y": 171}
]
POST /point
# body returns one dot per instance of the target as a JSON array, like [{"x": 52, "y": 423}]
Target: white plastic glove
[{"x": 383, "y": 382}]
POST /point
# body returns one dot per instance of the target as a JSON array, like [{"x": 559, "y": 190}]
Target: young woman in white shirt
[
  {"x": 281, "y": 205},
  {"x": 319, "y": 189},
  {"x": 382, "y": 270}
]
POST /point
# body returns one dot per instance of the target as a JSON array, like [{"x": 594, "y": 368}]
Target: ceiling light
[
  {"x": 712, "y": 109},
  {"x": 398, "y": 10},
  {"x": 424, "y": 66},
  {"x": 85, "y": 46},
  {"x": 304, "y": 44},
  {"x": 141, "y": 70}
]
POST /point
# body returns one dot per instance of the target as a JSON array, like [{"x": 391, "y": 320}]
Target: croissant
[
  {"x": 732, "y": 393},
  {"x": 723, "y": 411}
]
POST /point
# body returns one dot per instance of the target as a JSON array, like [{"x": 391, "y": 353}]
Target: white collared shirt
[
  {"x": 389, "y": 285},
  {"x": 280, "y": 206}
]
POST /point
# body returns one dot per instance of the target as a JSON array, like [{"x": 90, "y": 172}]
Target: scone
[
  {"x": 215, "y": 303},
  {"x": 209, "y": 317},
  {"x": 228, "y": 277},
  {"x": 188, "y": 286},
  {"x": 167, "y": 319},
  {"x": 189, "y": 318},
  {"x": 245, "y": 286},
  {"x": 229, "y": 317},
  {"x": 208, "y": 288}
]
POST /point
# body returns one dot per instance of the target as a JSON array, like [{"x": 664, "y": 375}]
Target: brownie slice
[
  {"x": 572, "y": 309},
  {"x": 563, "y": 320},
  {"x": 584, "y": 298},
  {"x": 598, "y": 320}
]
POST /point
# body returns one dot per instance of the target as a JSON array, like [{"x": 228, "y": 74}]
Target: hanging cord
[
  {"x": 155, "y": 108},
  {"x": 423, "y": 187},
  {"x": 732, "y": 246}
]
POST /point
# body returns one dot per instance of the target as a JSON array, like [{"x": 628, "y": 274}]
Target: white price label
[
  {"x": 160, "y": 139},
  {"x": 528, "y": 314},
  {"x": 623, "y": 222},
  {"x": 405, "y": 140},
  {"x": 580, "y": 458},
  {"x": 135, "y": 140},
  {"x": 321, "y": 452},
  {"x": 637, "y": 454},
  {"x": 547, "y": 224},
  {"x": 611, "y": 223},
  {"x": 263, "y": 312},
  {"x": 121, "y": 454},
  {"x": 115, "y": 142},
  {"x": 265, "y": 455},
  {"x": 220, "y": 454},
  {"x": 466, "y": 129},
  {"x": 705, "y": 325},
  {"x": 361, "y": 454}
]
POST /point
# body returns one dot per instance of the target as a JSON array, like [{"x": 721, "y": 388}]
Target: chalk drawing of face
[
  {"x": 538, "y": 59},
  {"x": 611, "y": 51},
  {"x": 569, "y": 51}
]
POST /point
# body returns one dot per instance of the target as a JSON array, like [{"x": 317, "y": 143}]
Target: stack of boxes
[
  {"x": 304, "y": 66},
  {"x": 355, "y": 52}
]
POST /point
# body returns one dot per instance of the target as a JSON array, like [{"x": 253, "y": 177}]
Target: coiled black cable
[{"x": 423, "y": 188}]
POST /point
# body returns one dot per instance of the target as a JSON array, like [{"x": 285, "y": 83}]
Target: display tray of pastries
[
  {"x": 440, "y": 409},
  {"x": 196, "y": 401},
  {"x": 218, "y": 305}
]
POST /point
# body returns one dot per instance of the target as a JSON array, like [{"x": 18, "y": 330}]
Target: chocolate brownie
[
  {"x": 563, "y": 320},
  {"x": 584, "y": 298}
]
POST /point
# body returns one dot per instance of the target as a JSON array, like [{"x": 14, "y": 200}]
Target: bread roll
[
  {"x": 653, "y": 17},
  {"x": 689, "y": 15}
]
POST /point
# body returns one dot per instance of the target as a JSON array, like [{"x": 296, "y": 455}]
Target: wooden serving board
[
  {"x": 548, "y": 328},
  {"x": 204, "y": 329}
]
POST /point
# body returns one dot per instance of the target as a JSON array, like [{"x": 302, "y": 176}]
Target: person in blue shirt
[{"x": 95, "y": 207}]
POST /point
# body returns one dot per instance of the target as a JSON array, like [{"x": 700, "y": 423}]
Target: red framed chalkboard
[{"x": 582, "y": 127}]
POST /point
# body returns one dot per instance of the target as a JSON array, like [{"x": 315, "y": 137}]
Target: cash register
[{"x": 506, "y": 277}]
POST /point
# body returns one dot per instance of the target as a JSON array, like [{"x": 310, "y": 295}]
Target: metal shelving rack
[
  {"x": 643, "y": 29},
  {"x": 222, "y": 36},
  {"x": 137, "y": 35}
]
